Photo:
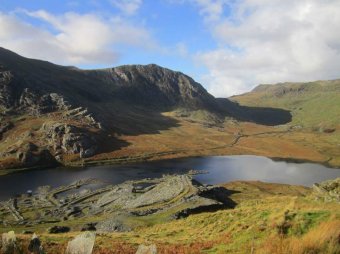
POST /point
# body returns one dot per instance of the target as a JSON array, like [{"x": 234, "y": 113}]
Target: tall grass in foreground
[{"x": 323, "y": 239}]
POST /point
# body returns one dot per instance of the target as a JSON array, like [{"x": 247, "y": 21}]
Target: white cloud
[
  {"x": 212, "y": 10},
  {"x": 269, "y": 41},
  {"x": 129, "y": 7},
  {"x": 76, "y": 38}
]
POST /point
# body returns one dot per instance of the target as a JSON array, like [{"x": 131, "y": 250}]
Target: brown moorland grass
[{"x": 194, "y": 139}]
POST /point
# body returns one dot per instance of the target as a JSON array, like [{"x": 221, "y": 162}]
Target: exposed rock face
[
  {"x": 9, "y": 243},
  {"x": 82, "y": 244},
  {"x": 27, "y": 100},
  {"x": 69, "y": 139},
  {"x": 154, "y": 85},
  {"x": 328, "y": 190},
  {"x": 150, "y": 249},
  {"x": 35, "y": 245},
  {"x": 36, "y": 104},
  {"x": 162, "y": 192}
]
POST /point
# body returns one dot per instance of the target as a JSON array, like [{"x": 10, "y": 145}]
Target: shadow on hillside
[
  {"x": 266, "y": 116},
  {"x": 109, "y": 143},
  {"x": 220, "y": 194},
  {"x": 258, "y": 115},
  {"x": 139, "y": 122}
]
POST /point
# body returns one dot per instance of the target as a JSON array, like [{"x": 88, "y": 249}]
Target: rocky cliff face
[{"x": 155, "y": 86}]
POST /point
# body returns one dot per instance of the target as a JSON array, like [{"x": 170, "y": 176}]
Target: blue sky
[{"x": 229, "y": 46}]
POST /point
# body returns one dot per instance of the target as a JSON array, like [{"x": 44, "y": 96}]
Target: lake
[{"x": 220, "y": 169}]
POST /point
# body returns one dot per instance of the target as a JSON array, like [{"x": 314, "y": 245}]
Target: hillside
[
  {"x": 55, "y": 115},
  {"x": 265, "y": 218},
  {"x": 52, "y": 114},
  {"x": 313, "y": 104}
]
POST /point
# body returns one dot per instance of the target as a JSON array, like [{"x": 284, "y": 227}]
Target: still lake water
[{"x": 220, "y": 169}]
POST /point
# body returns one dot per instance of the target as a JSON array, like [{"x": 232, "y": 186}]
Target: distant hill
[{"x": 312, "y": 104}]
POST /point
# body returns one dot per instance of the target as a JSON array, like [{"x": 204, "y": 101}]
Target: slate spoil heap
[{"x": 112, "y": 207}]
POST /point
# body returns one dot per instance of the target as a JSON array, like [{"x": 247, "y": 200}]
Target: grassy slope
[
  {"x": 315, "y": 106},
  {"x": 312, "y": 104},
  {"x": 269, "y": 218}
]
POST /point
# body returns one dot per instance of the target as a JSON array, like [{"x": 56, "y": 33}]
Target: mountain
[
  {"x": 312, "y": 104},
  {"x": 52, "y": 114},
  {"x": 150, "y": 86}
]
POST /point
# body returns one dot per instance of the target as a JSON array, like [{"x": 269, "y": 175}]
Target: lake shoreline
[
  {"x": 220, "y": 169},
  {"x": 138, "y": 159}
]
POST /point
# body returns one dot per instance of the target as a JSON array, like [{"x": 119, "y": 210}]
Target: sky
[{"x": 229, "y": 46}]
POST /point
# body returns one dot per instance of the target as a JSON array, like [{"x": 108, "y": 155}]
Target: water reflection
[{"x": 221, "y": 169}]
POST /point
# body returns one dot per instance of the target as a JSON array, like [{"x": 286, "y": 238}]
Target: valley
[
  {"x": 52, "y": 115},
  {"x": 59, "y": 125}
]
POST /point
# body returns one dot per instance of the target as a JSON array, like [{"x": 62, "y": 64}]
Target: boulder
[
  {"x": 9, "y": 243},
  {"x": 81, "y": 244},
  {"x": 328, "y": 190},
  {"x": 144, "y": 249},
  {"x": 35, "y": 245}
]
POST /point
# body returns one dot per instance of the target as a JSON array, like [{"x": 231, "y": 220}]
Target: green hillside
[{"x": 313, "y": 104}]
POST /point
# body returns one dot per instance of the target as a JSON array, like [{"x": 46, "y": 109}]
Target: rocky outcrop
[
  {"x": 27, "y": 100},
  {"x": 69, "y": 139},
  {"x": 34, "y": 103},
  {"x": 81, "y": 244},
  {"x": 327, "y": 190}
]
